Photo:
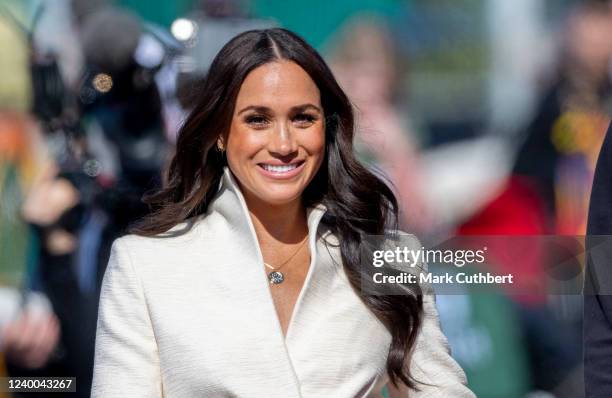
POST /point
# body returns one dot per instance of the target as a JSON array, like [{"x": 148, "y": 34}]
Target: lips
[{"x": 282, "y": 170}]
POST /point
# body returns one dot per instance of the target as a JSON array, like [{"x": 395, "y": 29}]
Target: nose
[{"x": 283, "y": 141}]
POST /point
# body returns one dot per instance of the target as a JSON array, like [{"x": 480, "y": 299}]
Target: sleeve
[
  {"x": 126, "y": 362},
  {"x": 597, "y": 326},
  {"x": 432, "y": 365}
]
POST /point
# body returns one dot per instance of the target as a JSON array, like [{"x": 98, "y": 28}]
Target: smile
[{"x": 281, "y": 170}]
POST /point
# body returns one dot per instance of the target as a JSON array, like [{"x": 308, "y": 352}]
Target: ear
[{"x": 220, "y": 144}]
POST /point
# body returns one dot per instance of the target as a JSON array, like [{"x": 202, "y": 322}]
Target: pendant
[{"x": 276, "y": 277}]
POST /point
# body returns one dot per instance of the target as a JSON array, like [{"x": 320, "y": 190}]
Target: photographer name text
[{"x": 447, "y": 278}]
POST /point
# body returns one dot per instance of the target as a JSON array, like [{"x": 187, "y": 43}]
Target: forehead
[{"x": 280, "y": 84}]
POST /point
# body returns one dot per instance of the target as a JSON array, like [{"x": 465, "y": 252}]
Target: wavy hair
[{"x": 358, "y": 203}]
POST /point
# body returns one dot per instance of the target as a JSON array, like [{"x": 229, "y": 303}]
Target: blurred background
[{"x": 487, "y": 117}]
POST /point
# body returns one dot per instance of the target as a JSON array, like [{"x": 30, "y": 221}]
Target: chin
[
  {"x": 279, "y": 192},
  {"x": 280, "y": 199}
]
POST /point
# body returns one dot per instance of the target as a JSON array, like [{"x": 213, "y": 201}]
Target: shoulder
[
  {"x": 151, "y": 252},
  {"x": 180, "y": 233}
]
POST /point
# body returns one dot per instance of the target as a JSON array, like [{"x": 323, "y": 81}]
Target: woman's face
[{"x": 276, "y": 141}]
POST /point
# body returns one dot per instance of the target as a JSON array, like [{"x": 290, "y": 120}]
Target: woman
[{"x": 245, "y": 281}]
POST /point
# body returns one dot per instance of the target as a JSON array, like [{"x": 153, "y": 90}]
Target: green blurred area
[
  {"x": 315, "y": 20},
  {"x": 14, "y": 232},
  {"x": 162, "y": 12}
]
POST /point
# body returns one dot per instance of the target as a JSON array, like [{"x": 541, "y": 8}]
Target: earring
[{"x": 220, "y": 147}]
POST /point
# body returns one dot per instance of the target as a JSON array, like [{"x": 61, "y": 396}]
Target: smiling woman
[{"x": 245, "y": 280}]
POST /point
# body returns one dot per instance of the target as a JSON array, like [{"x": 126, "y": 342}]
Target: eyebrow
[{"x": 265, "y": 109}]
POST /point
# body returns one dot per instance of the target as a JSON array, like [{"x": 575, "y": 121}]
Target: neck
[{"x": 282, "y": 223}]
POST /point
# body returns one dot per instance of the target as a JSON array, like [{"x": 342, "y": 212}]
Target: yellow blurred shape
[
  {"x": 103, "y": 82},
  {"x": 15, "y": 82}
]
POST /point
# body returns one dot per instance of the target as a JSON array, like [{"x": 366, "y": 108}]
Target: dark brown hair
[{"x": 358, "y": 203}]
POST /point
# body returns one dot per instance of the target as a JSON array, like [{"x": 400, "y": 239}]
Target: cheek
[
  {"x": 317, "y": 143},
  {"x": 243, "y": 143}
]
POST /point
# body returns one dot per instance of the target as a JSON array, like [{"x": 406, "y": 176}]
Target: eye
[
  {"x": 257, "y": 121},
  {"x": 304, "y": 119}
]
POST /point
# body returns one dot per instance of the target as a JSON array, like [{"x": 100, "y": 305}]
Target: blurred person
[
  {"x": 111, "y": 149},
  {"x": 124, "y": 129},
  {"x": 29, "y": 330},
  {"x": 363, "y": 57},
  {"x": 119, "y": 88},
  {"x": 264, "y": 205},
  {"x": 106, "y": 153},
  {"x": 557, "y": 158},
  {"x": 547, "y": 193},
  {"x": 31, "y": 336}
]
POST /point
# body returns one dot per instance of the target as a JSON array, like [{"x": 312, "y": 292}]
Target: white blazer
[{"x": 192, "y": 316}]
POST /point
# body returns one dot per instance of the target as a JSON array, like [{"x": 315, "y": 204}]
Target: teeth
[{"x": 280, "y": 169}]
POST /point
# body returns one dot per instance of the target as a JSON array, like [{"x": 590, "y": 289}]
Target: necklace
[{"x": 275, "y": 277}]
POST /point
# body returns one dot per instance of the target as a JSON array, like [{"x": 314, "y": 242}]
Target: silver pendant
[{"x": 276, "y": 277}]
